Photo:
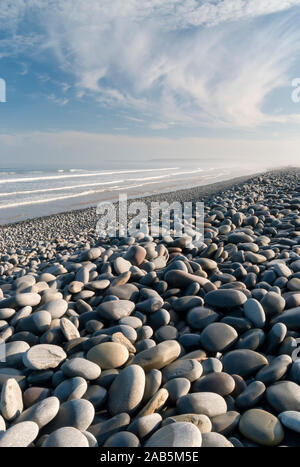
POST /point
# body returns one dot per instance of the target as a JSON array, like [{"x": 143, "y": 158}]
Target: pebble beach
[{"x": 156, "y": 342}]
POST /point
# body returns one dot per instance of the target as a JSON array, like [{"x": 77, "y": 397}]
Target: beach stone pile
[{"x": 158, "y": 342}]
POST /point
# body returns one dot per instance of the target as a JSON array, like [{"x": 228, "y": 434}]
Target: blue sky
[{"x": 99, "y": 80}]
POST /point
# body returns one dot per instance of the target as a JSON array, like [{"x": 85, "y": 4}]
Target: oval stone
[
  {"x": 81, "y": 367},
  {"x": 108, "y": 355},
  {"x": 115, "y": 309},
  {"x": 284, "y": 396},
  {"x": 127, "y": 390},
  {"x": 43, "y": 356},
  {"x": 243, "y": 362},
  {"x": 159, "y": 356},
  {"x": 261, "y": 427},
  {"x": 206, "y": 403},
  {"x": 177, "y": 435},
  {"x": 225, "y": 298},
  {"x": 19, "y": 436},
  {"x": 218, "y": 337},
  {"x": 66, "y": 437}
]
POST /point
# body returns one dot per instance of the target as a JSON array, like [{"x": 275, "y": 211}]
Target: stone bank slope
[{"x": 169, "y": 342}]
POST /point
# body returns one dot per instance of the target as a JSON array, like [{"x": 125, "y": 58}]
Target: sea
[{"x": 30, "y": 193}]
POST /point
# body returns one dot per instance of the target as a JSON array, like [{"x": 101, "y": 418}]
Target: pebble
[
  {"x": 122, "y": 440},
  {"x": 218, "y": 383},
  {"x": 284, "y": 396},
  {"x": 176, "y": 435},
  {"x": 143, "y": 427},
  {"x": 108, "y": 355},
  {"x": 44, "y": 356},
  {"x": 243, "y": 362},
  {"x": 73, "y": 388},
  {"x": 159, "y": 356},
  {"x": 115, "y": 309},
  {"x": 81, "y": 367},
  {"x": 225, "y": 298},
  {"x": 66, "y": 437},
  {"x": 19, "y": 436},
  {"x": 132, "y": 382},
  {"x": 11, "y": 403},
  {"x": 254, "y": 311},
  {"x": 290, "y": 419},
  {"x": 218, "y": 337},
  {"x": 78, "y": 413},
  {"x": 215, "y": 440},
  {"x": 206, "y": 403},
  {"x": 41, "y": 413},
  {"x": 261, "y": 427},
  {"x": 188, "y": 368}
]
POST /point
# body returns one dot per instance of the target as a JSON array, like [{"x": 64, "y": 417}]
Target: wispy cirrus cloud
[{"x": 187, "y": 62}]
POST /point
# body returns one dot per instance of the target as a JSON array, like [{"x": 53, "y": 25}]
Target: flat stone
[
  {"x": 200, "y": 317},
  {"x": 159, "y": 356},
  {"x": 156, "y": 402},
  {"x": 68, "y": 329},
  {"x": 177, "y": 435},
  {"x": 189, "y": 369},
  {"x": 284, "y": 396},
  {"x": 254, "y": 311},
  {"x": 145, "y": 426},
  {"x": 11, "y": 400},
  {"x": 108, "y": 355},
  {"x": 103, "y": 430},
  {"x": 218, "y": 337},
  {"x": 294, "y": 284},
  {"x": 97, "y": 395},
  {"x": 215, "y": 440},
  {"x": 41, "y": 413},
  {"x": 136, "y": 254},
  {"x": 81, "y": 367},
  {"x": 19, "y": 436},
  {"x": 78, "y": 413},
  {"x": 202, "y": 422},
  {"x": 123, "y": 439},
  {"x": 219, "y": 383},
  {"x": 251, "y": 396},
  {"x": 290, "y": 419},
  {"x": 57, "y": 308},
  {"x": 243, "y": 362},
  {"x": 261, "y": 427},
  {"x": 225, "y": 298},
  {"x": 73, "y": 388},
  {"x": 115, "y": 309},
  {"x": 43, "y": 356},
  {"x": 273, "y": 303},
  {"x": 66, "y": 437},
  {"x": 34, "y": 394},
  {"x": 14, "y": 352},
  {"x": 226, "y": 423},
  {"x": 177, "y": 387},
  {"x": 206, "y": 403},
  {"x": 127, "y": 390},
  {"x": 152, "y": 384},
  {"x": 291, "y": 318}
]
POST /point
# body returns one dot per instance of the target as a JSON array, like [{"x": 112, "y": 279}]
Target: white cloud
[{"x": 189, "y": 62}]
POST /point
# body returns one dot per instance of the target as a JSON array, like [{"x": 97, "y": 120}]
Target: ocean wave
[{"x": 92, "y": 174}]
